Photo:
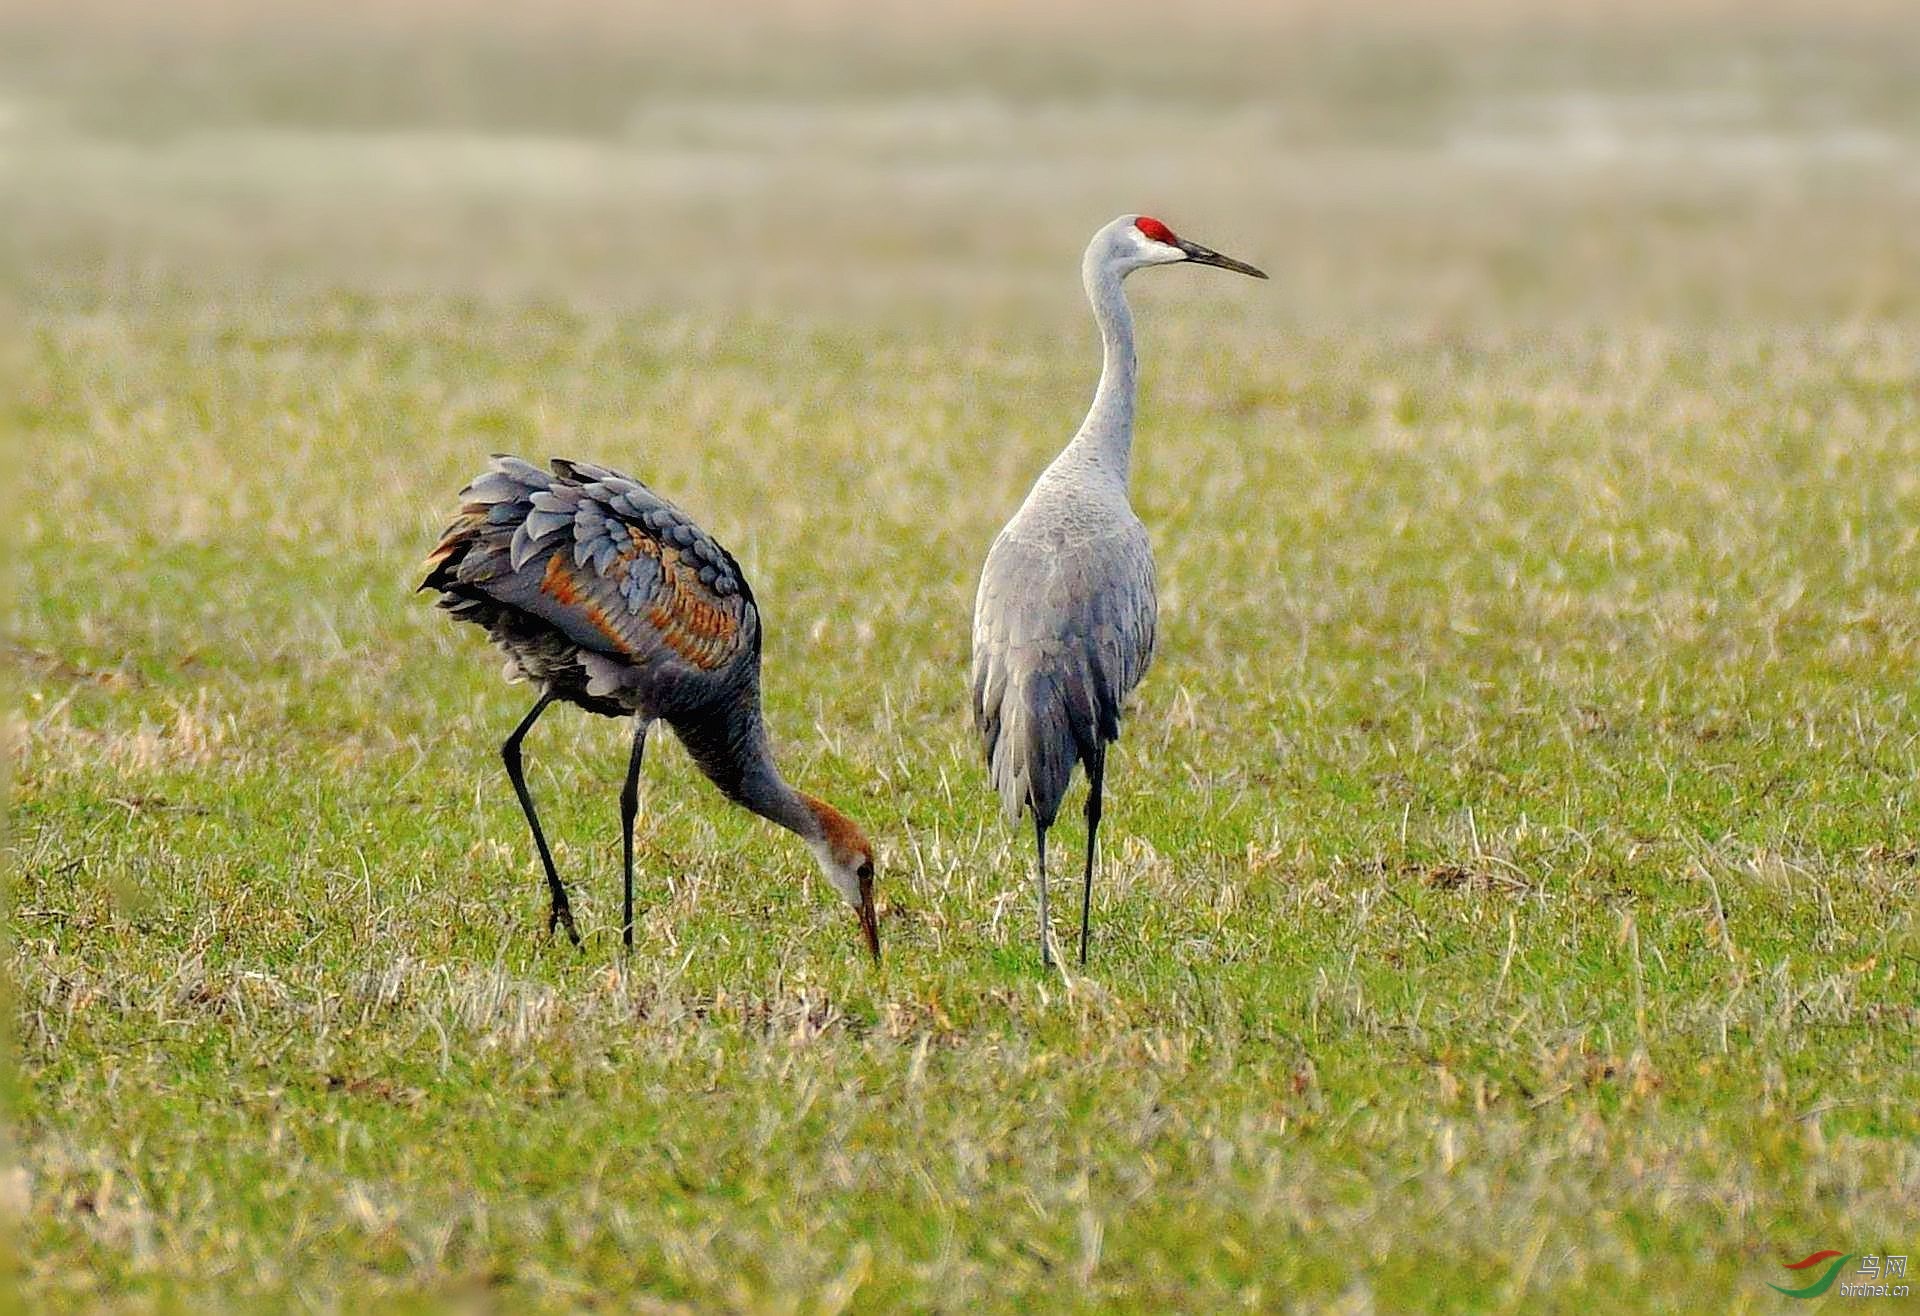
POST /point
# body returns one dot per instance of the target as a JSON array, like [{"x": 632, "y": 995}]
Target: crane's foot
[{"x": 559, "y": 914}]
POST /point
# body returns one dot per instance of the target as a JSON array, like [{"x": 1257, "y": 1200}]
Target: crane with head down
[
  {"x": 609, "y": 597},
  {"x": 1063, "y": 624}
]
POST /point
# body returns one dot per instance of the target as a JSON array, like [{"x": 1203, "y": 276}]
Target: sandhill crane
[
  {"x": 608, "y": 596},
  {"x": 1064, "y": 620}
]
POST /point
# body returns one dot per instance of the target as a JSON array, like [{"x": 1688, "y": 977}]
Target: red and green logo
[{"x": 1807, "y": 1264}]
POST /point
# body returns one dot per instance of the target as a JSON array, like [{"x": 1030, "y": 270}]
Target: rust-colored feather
[
  {"x": 562, "y": 583},
  {"x": 608, "y": 565},
  {"x": 458, "y": 534}
]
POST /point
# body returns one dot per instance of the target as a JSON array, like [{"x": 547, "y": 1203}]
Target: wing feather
[
  {"x": 615, "y": 568},
  {"x": 1062, "y": 635}
]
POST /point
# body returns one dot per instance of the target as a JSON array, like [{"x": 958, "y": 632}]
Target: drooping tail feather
[
  {"x": 1044, "y": 723},
  {"x": 476, "y": 545}
]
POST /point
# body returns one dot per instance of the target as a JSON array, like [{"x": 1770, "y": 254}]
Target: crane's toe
[{"x": 561, "y": 915}]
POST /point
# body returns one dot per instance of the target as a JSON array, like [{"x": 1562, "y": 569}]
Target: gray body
[
  {"x": 1063, "y": 624},
  {"x": 611, "y": 598},
  {"x": 1063, "y": 630}
]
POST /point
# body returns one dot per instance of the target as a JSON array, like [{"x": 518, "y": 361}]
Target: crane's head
[
  {"x": 1134, "y": 242},
  {"x": 846, "y": 857}
]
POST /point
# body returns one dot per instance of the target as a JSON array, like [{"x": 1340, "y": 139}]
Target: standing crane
[
  {"x": 1064, "y": 621},
  {"x": 609, "y": 597}
]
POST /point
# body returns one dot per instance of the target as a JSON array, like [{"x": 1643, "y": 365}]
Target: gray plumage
[
  {"x": 609, "y": 597},
  {"x": 1063, "y": 631},
  {"x": 1064, "y": 620},
  {"x": 602, "y": 591}
]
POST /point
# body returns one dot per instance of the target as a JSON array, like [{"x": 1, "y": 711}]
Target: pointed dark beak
[
  {"x": 869, "y": 921},
  {"x": 1200, "y": 255}
]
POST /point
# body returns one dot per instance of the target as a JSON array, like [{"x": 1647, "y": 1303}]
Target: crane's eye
[{"x": 865, "y": 871}]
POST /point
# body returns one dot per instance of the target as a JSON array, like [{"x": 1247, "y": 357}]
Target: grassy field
[{"x": 1510, "y": 898}]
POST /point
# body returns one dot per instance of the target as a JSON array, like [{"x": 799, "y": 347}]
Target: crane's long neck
[
  {"x": 731, "y": 746},
  {"x": 1105, "y": 440}
]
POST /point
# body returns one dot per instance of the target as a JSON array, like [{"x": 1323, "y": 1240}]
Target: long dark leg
[
  {"x": 558, "y": 911},
  {"x": 1040, "y": 841},
  {"x": 1096, "y": 772},
  {"x": 629, "y": 809}
]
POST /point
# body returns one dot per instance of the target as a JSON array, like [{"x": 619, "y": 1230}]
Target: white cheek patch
[
  {"x": 843, "y": 881},
  {"x": 1148, "y": 251}
]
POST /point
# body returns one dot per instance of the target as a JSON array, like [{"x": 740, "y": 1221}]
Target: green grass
[{"x": 1510, "y": 894}]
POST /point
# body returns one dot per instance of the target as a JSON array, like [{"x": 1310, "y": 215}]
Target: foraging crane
[
  {"x": 609, "y": 597},
  {"x": 1063, "y": 624}
]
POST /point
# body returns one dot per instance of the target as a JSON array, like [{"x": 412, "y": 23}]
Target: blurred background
[{"x": 1408, "y": 167}]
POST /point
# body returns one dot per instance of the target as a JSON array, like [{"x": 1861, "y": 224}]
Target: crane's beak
[
  {"x": 869, "y": 921},
  {"x": 1200, "y": 255}
]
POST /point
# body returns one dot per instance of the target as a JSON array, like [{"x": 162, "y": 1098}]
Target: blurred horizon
[{"x": 837, "y": 143}]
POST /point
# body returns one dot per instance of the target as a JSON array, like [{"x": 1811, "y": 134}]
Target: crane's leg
[
  {"x": 1040, "y": 841},
  {"x": 558, "y": 911},
  {"x": 1096, "y": 773},
  {"x": 629, "y": 809}
]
